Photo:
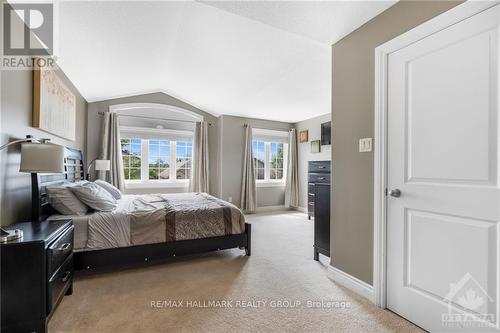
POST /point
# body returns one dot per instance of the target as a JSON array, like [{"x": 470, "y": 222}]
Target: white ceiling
[
  {"x": 324, "y": 21},
  {"x": 268, "y": 60}
]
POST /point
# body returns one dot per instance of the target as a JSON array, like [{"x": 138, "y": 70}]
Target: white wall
[{"x": 313, "y": 125}]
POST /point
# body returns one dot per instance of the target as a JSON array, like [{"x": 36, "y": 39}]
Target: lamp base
[{"x": 10, "y": 235}]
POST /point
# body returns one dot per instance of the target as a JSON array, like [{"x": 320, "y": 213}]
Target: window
[
  {"x": 269, "y": 161},
  {"x": 259, "y": 159},
  {"x": 155, "y": 160},
  {"x": 159, "y": 159},
  {"x": 131, "y": 151},
  {"x": 276, "y": 161},
  {"x": 184, "y": 159}
]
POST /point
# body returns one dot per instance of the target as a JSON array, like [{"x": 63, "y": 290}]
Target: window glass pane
[
  {"x": 131, "y": 151},
  {"x": 135, "y": 161},
  {"x": 184, "y": 153},
  {"x": 276, "y": 160},
  {"x": 135, "y": 173},
  {"x": 159, "y": 159},
  {"x": 258, "y": 151}
]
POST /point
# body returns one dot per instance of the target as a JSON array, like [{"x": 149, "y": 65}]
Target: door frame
[{"x": 382, "y": 52}]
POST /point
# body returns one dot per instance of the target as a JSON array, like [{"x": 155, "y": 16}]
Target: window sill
[
  {"x": 269, "y": 184},
  {"x": 156, "y": 184}
]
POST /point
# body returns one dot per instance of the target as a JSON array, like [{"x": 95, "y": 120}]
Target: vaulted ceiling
[{"x": 268, "y": 60}]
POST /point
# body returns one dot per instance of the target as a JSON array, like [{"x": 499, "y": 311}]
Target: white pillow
[
  {"x": 94, "y": 196},
  {"x": 116, "y": 193},
  {"x": 64, "y": 201}
]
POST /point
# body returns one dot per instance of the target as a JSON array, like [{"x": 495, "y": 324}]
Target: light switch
[{"x": 365, "y": 145}]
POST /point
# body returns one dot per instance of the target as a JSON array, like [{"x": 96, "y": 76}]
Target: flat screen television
[{"x": 326, "y": 132}]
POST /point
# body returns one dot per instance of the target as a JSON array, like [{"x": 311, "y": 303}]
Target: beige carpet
[{"x": 280, "y": 269}]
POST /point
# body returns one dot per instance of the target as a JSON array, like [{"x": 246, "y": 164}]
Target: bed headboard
[{"x": 73, "y": 172}]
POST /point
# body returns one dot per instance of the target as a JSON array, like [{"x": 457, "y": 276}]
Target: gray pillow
[
  {"x": 94, "y": 196},
  {"x": 64, "y": 201},
  {"x": 110, "y": 188}
]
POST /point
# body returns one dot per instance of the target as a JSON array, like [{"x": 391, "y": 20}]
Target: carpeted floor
[{"x": 262, "y": 292}]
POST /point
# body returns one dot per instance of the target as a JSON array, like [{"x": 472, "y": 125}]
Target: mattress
[
  {"x": 81, "y": 221},
  {"x": 147, "y": 219},
  {"x": 81, "y": 226}
]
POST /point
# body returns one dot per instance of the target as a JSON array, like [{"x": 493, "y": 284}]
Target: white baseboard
[
  {"x": 350, "y": 282},
  {"x": 301, "y": 209},
  {"x": 271, "y": 208}
]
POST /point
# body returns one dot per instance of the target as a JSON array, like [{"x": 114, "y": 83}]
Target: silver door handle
[{"x": 396, "y": 193}]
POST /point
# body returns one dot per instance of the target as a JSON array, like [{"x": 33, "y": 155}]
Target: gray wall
[
  {"x": 16, "y": 114},
  {"x": 95, "y": 128},
  {"x": 313, "y": 126},
  {"x": 352, "y": 115},
  {"x": 15, "y": 123},
  {"x": 232, "y": 143},
  {"x": 226, "y": 142}
]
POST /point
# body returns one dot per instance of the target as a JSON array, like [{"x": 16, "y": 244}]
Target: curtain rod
[
  {"x": 154, "y": 118},
  {"x": 271, "y": 128}
]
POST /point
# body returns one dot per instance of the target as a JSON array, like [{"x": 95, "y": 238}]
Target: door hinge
[{"x": 386, "y": 192}]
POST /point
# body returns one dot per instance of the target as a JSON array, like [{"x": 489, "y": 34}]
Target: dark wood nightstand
[{"x": 37, "y": 271}]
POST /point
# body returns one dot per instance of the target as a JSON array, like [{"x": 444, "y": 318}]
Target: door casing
[{"x": 382, "y": 52}]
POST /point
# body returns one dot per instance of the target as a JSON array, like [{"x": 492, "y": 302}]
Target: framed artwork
[
  {"x": 315, "y": 146},
  {"x": 54, "y": 105},
  {"x": 304, "y": 136}
]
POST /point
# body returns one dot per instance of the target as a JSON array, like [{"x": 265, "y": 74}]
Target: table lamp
[
  {"x": 99, "y": 165},
  {"x": 41, "y": 157}
]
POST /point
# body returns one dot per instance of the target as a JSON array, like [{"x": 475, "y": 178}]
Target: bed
[{"x": 143, "y": 228}]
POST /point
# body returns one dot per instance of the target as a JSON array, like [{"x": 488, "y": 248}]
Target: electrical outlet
[
  {"x": 230, "y": 199},
  {"x": 365, "y": 145}
]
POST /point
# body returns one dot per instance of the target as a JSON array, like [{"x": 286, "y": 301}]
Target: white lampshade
[
  {"x": 42, "y": 158},
  {"x": 102, "y": 165}
]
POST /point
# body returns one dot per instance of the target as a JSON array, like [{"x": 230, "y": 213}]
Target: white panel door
[{"x": 443, "y": 144}]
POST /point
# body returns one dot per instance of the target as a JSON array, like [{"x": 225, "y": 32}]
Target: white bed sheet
[
  {"x": 81, "y": 222},
  {"x": 81, "y": 228}
]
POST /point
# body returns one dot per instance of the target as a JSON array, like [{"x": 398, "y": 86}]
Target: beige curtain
[
  {"x": 111, "y": 150},
  {"x": 200, "y": 181},
  {"x": 248, "y": 193},
  {"x": 292, "y": 174}
]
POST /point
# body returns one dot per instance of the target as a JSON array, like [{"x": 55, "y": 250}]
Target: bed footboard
[{"x": 124, "y": 257}]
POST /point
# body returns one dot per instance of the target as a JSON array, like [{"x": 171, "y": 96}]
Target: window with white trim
[
  {"x": 131, "y": 153},
  {"x": 184, "y": 159},
  {"x": 159, "y": 159},
  {"x": 269, "y": 149},
  {"x": 155, "y": 160},
  {"x": 259, "y": 159},
  {"x": 277, "y": 156}
]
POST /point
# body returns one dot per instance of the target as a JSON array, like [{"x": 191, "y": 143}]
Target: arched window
[{"x": 156, "y": 141}]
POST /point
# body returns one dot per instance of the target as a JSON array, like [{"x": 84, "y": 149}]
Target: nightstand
[{"x": 37, "y": 271}]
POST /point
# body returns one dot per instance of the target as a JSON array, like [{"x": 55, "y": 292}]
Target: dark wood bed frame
[{"x": 116, "y": 258}]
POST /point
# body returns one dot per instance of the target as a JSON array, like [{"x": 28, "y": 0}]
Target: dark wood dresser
[
  {"x": 319, "y": 205},
  {"x": 37, "y": 271}
]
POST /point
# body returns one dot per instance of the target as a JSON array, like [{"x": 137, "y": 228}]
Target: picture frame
[
  {"x": 303, "y": 136},
  {"x": 315, "y": 146},
  {"x": 54, "y": 105},
  {"x": 326, "y": 130}
]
